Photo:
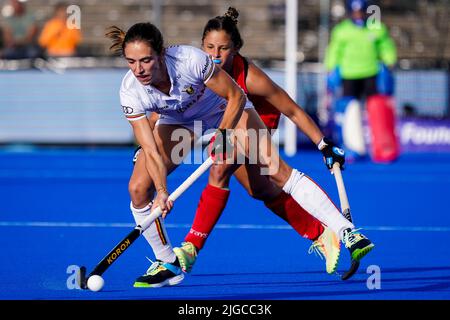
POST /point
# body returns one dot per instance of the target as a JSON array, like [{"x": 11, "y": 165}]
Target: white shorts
[{"x": 200, "y": 125}]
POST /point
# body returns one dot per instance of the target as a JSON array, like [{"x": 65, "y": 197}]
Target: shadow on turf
[{"x": 411, "y": 284}]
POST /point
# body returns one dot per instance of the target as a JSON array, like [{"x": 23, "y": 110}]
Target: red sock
[
  {"x": 289, "y": 210},
  {"x": 210, "y": 207}
]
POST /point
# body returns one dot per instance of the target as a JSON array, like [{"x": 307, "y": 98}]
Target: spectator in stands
[
  {"x": 1, "y": 41},
  {"x": 360, "y": 55},
  {"x": 56, "y": 38},
  {"x": 19, "y": 33}
]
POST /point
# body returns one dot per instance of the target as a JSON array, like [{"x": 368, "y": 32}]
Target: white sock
[
  {"x": 155, "y": 235},
  {"x": 314, "y": 200}
]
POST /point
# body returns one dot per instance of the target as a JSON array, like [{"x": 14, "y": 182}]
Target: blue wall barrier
[
  {"x": 82, "y": 105},
  {"x": 79, "y": 106}
]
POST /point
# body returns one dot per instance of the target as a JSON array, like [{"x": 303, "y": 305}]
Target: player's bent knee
[
  {"x": 219, "y": 176},
  {"x": 139, "y": 192},
  {"x": 257, "y": 194},
  {"x": 281, "y": 176}
]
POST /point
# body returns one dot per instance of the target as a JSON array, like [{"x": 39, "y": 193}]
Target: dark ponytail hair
[
  {"x": 144, "y": 31},
  {"x": 228, "y": 23}
]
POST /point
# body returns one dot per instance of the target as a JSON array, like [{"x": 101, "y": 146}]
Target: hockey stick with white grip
[
  {"x": 345, "y": 208},
  {"x": 126, "y": 242}
]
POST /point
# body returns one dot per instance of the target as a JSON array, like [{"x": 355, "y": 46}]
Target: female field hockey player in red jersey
[{"x": 222, "y": 41}]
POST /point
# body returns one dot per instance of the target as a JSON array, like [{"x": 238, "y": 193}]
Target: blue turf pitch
[{"x": 65, "y": 207}]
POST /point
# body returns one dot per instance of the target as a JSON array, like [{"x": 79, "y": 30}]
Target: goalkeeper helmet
[{"x": 356, "y": 5}]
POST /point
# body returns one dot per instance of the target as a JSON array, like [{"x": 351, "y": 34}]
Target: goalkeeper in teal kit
[{"x": 358, "y": 58}]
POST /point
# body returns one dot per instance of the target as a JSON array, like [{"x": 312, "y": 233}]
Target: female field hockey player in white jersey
[{"x": 183, "y": 85}]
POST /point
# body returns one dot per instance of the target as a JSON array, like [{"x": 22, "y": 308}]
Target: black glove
[
  {"x": 220, "y": 145},
  {"x": 331, "y": 153}
]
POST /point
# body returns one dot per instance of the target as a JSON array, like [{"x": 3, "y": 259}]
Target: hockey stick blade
[
  {"x": 351, "y": 271},
  {"x": 82, "y": 281},
  {"x": 345, "y": 207},
  {"x": 126, "y": 242}
]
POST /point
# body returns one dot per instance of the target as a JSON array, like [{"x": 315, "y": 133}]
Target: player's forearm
[
  {"x": 156, "y": 169},
  {"x": 233, "y": 111},
  {"x": 153, "y": 160},
  {"x": 152, "y": 119},
  {"x": 296, "y": 114},
  {"x": 307, "y": 126}
]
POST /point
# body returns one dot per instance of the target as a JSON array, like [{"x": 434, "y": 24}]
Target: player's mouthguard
[{"x": 217, "y": 61}]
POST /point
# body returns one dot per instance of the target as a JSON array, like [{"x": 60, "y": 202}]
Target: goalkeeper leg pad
[
  {"x": 349, "y": 127},
  {"x": 384, "y": 142}
]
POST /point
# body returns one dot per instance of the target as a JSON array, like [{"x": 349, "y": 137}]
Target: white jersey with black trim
[{"x": 189, "y": 70}]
